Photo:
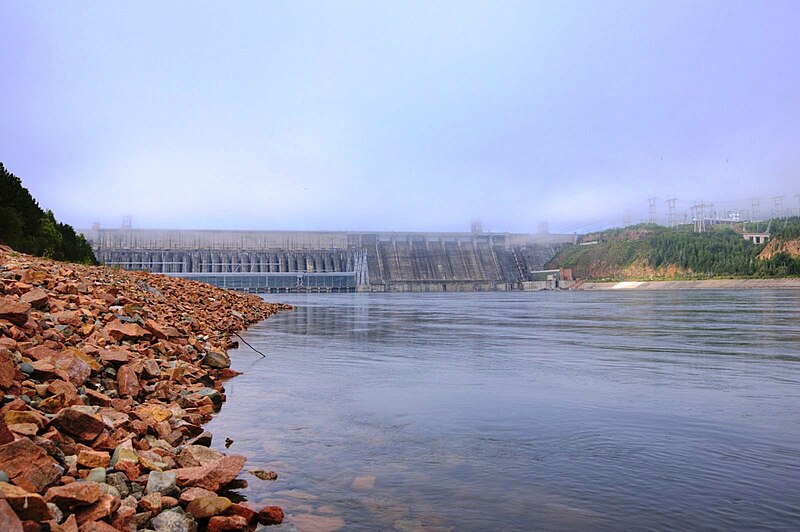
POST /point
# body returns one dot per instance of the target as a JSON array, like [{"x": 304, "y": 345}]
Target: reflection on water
[{"x": 522, "y": 411}]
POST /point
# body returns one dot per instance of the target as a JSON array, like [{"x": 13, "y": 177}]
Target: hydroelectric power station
[{"x": 332, "y": 261}]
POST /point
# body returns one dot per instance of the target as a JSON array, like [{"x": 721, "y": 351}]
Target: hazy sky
[{"x": 407, "y": 115}]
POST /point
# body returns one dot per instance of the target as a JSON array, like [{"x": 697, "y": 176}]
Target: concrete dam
[{"x": 332, "y": 261}]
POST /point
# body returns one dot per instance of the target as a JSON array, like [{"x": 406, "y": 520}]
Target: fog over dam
[{"x": 333, "y": 261}]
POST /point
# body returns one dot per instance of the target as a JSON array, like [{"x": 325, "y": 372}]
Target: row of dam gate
[{"x": 328, "y": 261}]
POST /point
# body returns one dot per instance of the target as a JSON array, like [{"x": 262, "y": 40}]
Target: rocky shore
[{"x": 107, "y": 378}]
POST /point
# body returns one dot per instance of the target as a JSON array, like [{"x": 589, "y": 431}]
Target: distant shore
[{"x": 737, "y": 284}]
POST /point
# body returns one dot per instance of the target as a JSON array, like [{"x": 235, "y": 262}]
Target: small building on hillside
[{"x": 757, "y": 238}]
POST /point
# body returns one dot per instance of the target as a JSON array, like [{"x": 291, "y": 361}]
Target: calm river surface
[{"x": 520, "y": 411}]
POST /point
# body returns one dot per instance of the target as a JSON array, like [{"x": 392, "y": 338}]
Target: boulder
[
  {"x": 124, "y": 519},
  {"x": 97, "y": 474},
  {"x": 153, "y": 413},
  {"x": 70, "y": 524},
  {"x": 40, "y": 352},
  {"x": 36, "y": 298},
  {"x": 151, "y": 503},
  {"x": 97, "y": 398},
  {"x": 75, "y": 367},
  {"x": 264, "y": 475},
  {"x": 14, "y": 417},
  {"x": 161, "y": 482},
  {"x": 90, "y": 361},
  {"x": 28, "y": 506},
  {"x": 205, "y": 507},
  {"x": 158, "y": 331},
  {"x": 72, "y": 495},
  {"x": 5, "y": 434},
  {"x": 150, "y": 369},
  {"x": 119, "y": 331},
  {"x": 28, "y": 465},
  {"x": 190, "y": 494},
  {"x": 8, "y": 369},
  {"x": 211, "y": 476},
  {"x": 127, "y": 382},
  {"x": 17, "y": 312},
  {"x": 226, "y": 523},
  {"x": 197, "y": 455},
  {"x": 216, "y": 360},
  {"x": 105, "y": 506},
  {"x": 98, "y": 526},
  {"x": 270, "y": 515},
  {"x": 9, "y": 522},
  {"x": 204, "y": 439},
  {"x": 126, "y": 460},
  {"x": 54, "y": 403},
  {"x": 248, "y": 513},
  {"x": 120, "y": 482},
  {"x": 114, "y": 356},
  {"x": 93, "y": 459},
  {"x": 78, "y": 422},
  {"x": 173, "y": 521}
]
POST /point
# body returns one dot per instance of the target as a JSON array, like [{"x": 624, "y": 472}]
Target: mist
[{"x": 398, "y": 116}]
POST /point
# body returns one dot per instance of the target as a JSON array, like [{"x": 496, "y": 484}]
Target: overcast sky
[{"x": 382, "y": 115}]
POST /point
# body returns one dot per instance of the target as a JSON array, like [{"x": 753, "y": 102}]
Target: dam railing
[{"x": 277, "y": 282}]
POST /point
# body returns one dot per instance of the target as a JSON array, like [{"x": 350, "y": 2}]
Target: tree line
[{"x": 28, "y": 228}]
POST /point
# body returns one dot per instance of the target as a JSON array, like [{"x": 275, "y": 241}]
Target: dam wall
[{"x": 280, "y": 261}]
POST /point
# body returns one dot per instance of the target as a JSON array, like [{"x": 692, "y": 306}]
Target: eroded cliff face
[
  {"x": 638, "y": 269},
  {"x": 792, "y": 247}
]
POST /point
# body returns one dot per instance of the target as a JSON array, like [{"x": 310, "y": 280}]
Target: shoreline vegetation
[
  {"x": 108, "y": 377},
  {"x": 28, "y": 228}
]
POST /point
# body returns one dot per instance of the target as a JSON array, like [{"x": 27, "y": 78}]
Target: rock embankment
[{"x": 107, "y": 378}]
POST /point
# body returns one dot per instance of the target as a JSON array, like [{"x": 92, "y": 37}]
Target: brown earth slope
[{"x": 792, "y": 247}]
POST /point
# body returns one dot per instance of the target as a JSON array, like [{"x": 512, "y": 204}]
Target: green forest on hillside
[
  {"x": 27, "y": 228},
  {"x": 660, "y": 252}
]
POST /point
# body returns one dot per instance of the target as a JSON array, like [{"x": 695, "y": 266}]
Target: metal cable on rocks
[{"x": 250, "y": 346}]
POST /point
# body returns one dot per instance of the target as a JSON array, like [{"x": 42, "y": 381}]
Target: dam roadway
[{"x": 332, "y": 261}]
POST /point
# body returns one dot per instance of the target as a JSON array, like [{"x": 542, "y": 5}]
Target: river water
[{"x": 524, "y": 411}]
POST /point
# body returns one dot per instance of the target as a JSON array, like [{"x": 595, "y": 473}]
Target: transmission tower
[
  {"x": 652, "y": 207},
  {"x": 671, "y": 211},
  {"x": 626, "y": 217},
  {"x": 798, "y": 203},
  {"x": 755, "y": 204},
  {"x": 778, "y": 209},
  {"x": 127, "y": 222},
  {"x": 700, "y": 213}
]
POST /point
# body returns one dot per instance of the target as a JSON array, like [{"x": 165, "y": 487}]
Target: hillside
[
  {"x": 651, "y": 252},
  {"x": 27, "y": 228}
]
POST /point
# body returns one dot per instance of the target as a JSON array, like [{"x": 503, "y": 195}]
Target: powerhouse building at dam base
[{"x": 333, "y": 261}]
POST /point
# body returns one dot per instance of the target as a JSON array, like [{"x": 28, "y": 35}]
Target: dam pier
[{"x": 336, "y": 261}]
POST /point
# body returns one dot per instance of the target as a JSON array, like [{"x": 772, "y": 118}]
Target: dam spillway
[{"x": 290, "y": 261}]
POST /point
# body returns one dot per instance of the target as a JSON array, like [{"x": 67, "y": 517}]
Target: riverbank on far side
[{"x": 706, "y": 284}]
